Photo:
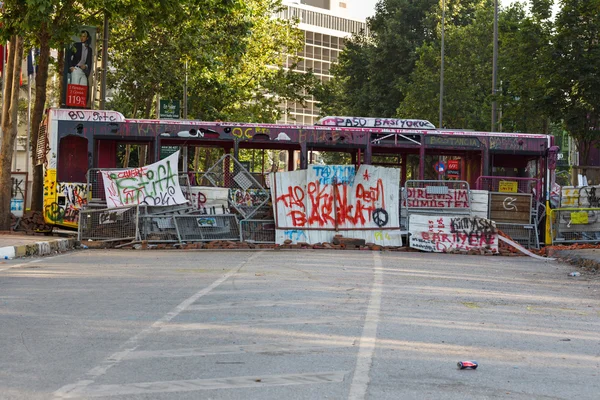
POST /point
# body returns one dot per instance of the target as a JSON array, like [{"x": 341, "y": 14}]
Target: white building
[{"x": 326, "y": 28}]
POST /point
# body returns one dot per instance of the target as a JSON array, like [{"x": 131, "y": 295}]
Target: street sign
[
  {"x": 169, "y": 109},
  {"x": 439, "y": 167}
]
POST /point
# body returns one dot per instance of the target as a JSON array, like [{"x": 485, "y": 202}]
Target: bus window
[{"x": 73, "y": 159}]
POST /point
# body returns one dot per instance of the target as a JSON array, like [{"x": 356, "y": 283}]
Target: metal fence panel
[
  {"x": 109, "y": 223},
  {"x": 246, "y": 194},
  {"x": 206, "y": 228},
  {"x": 575, "y": 225},
  {"x": 525, "y": 235},
  {"x": 257, "y": 231},
  {"x": 523, "y": 185},
  {"x": 158, "y": 228}
]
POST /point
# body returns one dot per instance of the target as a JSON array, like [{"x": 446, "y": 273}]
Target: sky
[{"x": 361, "y": 9}]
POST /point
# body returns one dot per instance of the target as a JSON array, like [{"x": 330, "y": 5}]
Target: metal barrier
[
  {"x": 257, "y": 231},
  {"x": 526, "y": 235},
  {"x": 508, "y": 183},
  {"x": 574, "y": 225},
  {"x": 110, "y": 223},
  {"x": 206, "y": 228},
  {"x": 516, "y": 216},
  {"x": 246, "y": 194}
]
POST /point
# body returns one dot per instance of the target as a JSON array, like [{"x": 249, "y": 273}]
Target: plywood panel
[
  {"x": 339, "y": 198},
  {"x": 510, "y": 208}
]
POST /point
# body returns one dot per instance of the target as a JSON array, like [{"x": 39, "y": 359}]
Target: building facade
[{"x": 326, "y": 28}]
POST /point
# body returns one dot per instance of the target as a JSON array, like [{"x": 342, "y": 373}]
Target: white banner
[
  {"x": 154, "y": 185},
  {"x": 441, "y": 234},
  {"x": 311, "y": 204}
]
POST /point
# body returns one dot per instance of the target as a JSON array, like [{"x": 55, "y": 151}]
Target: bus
[{"x": 72, "y": 142}]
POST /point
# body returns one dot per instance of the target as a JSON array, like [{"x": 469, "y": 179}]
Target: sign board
[
  {"x": 166, "y": 151},
  {"x": 510, "y": 208},
  {"x": 507, "y": 186},
  {"x": 169, "y": 109},
  {"x": 77, "y": 96},
  {"x": 78, "y": 73},
  {"x": 579, "y": 218},
  {"x": 452, "y": 141},
  {"x": 439, "y": 167},
  {"x": 441, "y": 234},
  {"x": 453, "y": 165}
]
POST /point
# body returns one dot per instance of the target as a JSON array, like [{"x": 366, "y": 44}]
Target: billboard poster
[{"x": 78, "y": 75}]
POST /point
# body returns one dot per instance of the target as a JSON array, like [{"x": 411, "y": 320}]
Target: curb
[{"x": 38, "y": 248}]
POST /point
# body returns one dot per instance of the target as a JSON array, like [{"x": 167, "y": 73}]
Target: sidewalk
[
  {"x": 586, "y": 259},
  {"x": 15, "y": 245}
]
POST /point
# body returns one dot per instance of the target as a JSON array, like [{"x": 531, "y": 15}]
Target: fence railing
[
  {"x": 510, "y": 184},
  {"x": 574, "y": 225},
  {"x": 110, "y": 223}
]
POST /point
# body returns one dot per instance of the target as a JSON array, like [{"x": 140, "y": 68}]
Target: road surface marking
[
  {"x": 237, "y": 349},
  {"x": 145, "y": 388},
  {"x": 37, "y": 260},
  {"x": 178, "y": 327},
  {"x": 131, "y": 344},
  {"x": 360, "y": 380}
]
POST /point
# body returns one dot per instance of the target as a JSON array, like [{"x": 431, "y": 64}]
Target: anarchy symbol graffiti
[{"x": 380, "y": 217}]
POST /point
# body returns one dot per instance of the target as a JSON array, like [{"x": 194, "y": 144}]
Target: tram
[{"x": 72, "y": 142}]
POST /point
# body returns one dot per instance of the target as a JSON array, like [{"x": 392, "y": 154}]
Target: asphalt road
[{"x": 296, "y": 325}]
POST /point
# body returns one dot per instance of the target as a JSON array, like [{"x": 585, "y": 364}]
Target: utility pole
[
  {"x": 440, "y": 125},
  {"x": 104, "y": 62},
  {"x": 185, "y": 104},
  {"x": 495, "y": 68}
]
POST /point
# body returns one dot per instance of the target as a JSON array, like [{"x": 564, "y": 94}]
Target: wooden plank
[{"x": 510, "y": 208}]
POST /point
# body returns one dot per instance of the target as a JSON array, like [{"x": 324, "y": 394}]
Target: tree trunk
[
  {"x": 10, "y": 111},
  {"x": 41, "y": 80}
]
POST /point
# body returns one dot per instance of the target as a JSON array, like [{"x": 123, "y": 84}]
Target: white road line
[
  {"x": 32, "y": 262},
  {"x": 68, "y": 391},
  {"x": 144, "y": 388},
  {"x": 177, "y": 327},
  {"x": 238, "y": 349},
  {"x": 252, "y": 304},
  {"x": 360, "y": 380}
]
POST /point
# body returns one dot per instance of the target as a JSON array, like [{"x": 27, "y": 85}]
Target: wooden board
[{"x": 510, "y": 208}]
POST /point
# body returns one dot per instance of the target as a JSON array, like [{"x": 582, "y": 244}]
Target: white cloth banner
[
  {"x": 154, "y": 185},
  {"x": 441, "y": 234}
]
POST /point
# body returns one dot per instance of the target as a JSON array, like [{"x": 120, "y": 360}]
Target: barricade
[
  {"x": 110, "y": 223},
  {"x": 513, "y": 214},
  {"x": 206, "y": 228},
  {"x": 257, "y": 231},
  {"x": 246, "y": 194},
  {"x": 508, "y": 184},
  {"x": 575, "y": 225}
]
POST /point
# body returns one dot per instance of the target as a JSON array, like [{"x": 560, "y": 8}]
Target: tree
[
  {"x": 524, "y": 55},
  {"x": 10, "y": 106},
  {"x": 232, "y": 54},
  {"x": 576, "y": 76},
  {"x": 374, "y": 73}
]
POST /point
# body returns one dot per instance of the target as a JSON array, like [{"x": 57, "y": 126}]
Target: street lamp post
[
  {"x": 495, "y": 68},
  {"x": 440, "y": 125}
]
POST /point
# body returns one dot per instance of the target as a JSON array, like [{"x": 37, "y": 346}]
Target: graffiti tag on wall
[
  {"x": 441, "y": 234},
  {"x": 209, "y": 200},
  {"x": 154, "y": 185},
  {"x": 18, "y": 193},
  {"x": 419, "y": 198},
  {"x": 311, "y": 204}
]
